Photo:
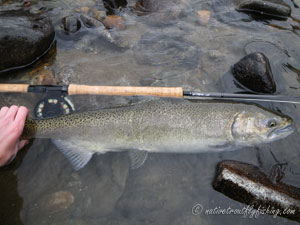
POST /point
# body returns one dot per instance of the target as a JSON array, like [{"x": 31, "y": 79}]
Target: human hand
[{"x": 12, "y": 121}]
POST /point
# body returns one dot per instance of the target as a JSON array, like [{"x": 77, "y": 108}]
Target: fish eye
[{"x": 271, "y": 123}]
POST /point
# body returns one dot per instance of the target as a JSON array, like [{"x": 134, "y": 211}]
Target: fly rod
[{"x": 175, "y": 92}]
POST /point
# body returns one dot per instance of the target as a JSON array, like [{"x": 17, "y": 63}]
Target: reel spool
[{"x": 53, "y": 106}]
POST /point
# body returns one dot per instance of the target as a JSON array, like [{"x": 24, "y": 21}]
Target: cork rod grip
[
  {"x": 14, "y": 88},
  {"x": 75, "y": 89}
]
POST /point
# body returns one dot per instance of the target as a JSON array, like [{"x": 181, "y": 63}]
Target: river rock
[
  {"x": 247, "y": 184},
  {"x": 24, "y": 38},
  {"x": 99, "y": 14},
  {"x": 57, "y": 201},
  {"x": 254, "y": 72},
  {"x": 90, "y": 22},
  {"x": 113, "y": 5},
  {"x": 297, "y": 3},
  {"x": 273, "y": 8},
  {"x": 114, "y": 21},
  {"x": 161, "y": 12},
  {"x": 84, "y": 10},
  {"x": 71, "y": 24},
  {"x": 204, "y": 16}
]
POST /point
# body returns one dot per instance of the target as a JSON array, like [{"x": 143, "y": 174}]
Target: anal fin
[
  {"x": 137, "y": 158},
  {"x": 78, "y": 156}
]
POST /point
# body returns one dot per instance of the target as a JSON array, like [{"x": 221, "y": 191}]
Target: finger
[
  {"x": 21, "y": 115},
  {"x": 11, "y": 113},
  {"x": 3, "y": 111},
  {"x": 21, "y": 144}
]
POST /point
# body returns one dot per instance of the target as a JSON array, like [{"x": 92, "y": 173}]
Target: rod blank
[{"x": 245, "y": 97}]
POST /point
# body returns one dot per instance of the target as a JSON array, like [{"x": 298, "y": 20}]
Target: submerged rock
[
  {"x": 57, "y": 201},
  {"x": 273, "y": 8},
  {"x": 204, "y": 16},
  {"x": 84, "y": 10},
  {"x": 71, "y": 24},
  {"x": 99, "y": 14},
  {"x": 226, "y": 12},
  {"x": 158, "y": 49},
  {"x": 161, "y": 12},
  {"x": 90, "y": 22},
  {"x": 43, "y": 77},
  {"x": 64, "y": 193},
  {"x": 24, "y": 38},
  {"x": 114, "y": 22},
  {"x": 153, "y": 194},
  {"x": 157, "y": 5},
  {"x": 254, "y": 72}
]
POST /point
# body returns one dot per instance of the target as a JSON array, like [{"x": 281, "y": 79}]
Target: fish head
[{"x": 260, "y": 126}]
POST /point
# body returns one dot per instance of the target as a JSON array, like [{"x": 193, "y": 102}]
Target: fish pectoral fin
[
  {"x": 78, "y": 156},
  {"x": 137, "y": 158}
]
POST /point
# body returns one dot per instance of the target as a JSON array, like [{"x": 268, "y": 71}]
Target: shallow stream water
[{"x": 41, "y": 187}]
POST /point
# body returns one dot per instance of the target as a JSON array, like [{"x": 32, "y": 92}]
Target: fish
[{"x": 164, "y": 125}]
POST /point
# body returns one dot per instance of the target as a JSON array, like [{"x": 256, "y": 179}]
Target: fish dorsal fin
[
  {"x": 137, "y": 158},
  {"x": 77, "y": 155}
]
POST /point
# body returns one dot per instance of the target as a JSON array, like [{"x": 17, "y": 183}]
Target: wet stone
[
  {"x": 43, "y": 77},
  {"x": 90, "y": 22},
  {"x": 114, "y": 22},
  {"x": 84, "y": 10},
  {"x": 247, "y": 184},
  {"x": 71, "y": 24},
  {"x": 113, "y": 5},
  {"x": 24, "y": 38},
  {"x": 204, "y": 16},
  {"x": 273, "y": 8},
  {"x": 99, "y": 14},
  {"x": 254, "y": 72}
]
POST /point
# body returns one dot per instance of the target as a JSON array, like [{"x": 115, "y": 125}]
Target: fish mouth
[{"x": 281, "y": 132}]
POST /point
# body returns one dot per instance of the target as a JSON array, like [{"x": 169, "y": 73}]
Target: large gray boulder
[
  {"x": 254, "y": 72},
  {"x": 24, "y": 38}
]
